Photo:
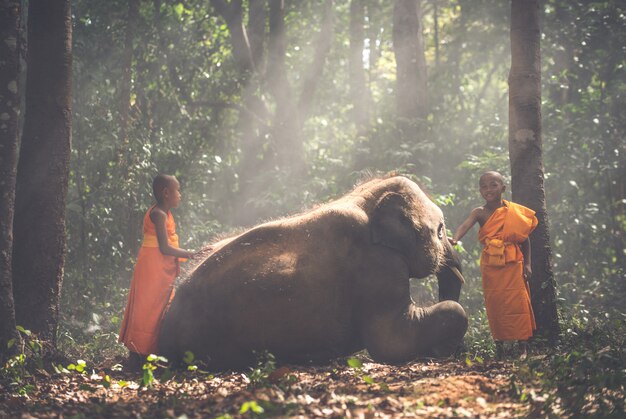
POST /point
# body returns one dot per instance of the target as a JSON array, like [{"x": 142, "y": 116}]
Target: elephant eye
[{"x": 440, "y": 231}]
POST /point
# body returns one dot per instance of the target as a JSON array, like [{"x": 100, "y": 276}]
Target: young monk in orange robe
[
  {"x": 157, "y": 266},
  {"x": 505, "y": 261}
]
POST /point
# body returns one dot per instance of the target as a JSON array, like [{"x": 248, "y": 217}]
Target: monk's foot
[
  {"x": 133, "y": 363},
  {"x": 523, "y": 345}
]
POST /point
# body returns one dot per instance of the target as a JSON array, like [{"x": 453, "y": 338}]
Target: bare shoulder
[
  {"x": 480, "y": 214},
  {"x": 157, "y": 215}
]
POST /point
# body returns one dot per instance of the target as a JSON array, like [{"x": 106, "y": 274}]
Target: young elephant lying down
[{"x": 322, "y": 284}]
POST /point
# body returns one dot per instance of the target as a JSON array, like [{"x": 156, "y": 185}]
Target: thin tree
[
  {"x": 273, "y": 111},
  {"x": 411, "y": 78},
  {"x": 10, "y": 11},
  {"x": 525, "y": 154},
  {"x": 126, "y": 81},
  {"x": 43, "y": 169},
  {"x": 358, "y": 87}
]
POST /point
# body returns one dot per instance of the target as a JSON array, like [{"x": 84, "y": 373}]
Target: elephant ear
[{"x": 391, "y": 224}]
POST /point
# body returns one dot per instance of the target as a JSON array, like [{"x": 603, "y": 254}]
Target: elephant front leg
[{"x": 399, "y": 336}]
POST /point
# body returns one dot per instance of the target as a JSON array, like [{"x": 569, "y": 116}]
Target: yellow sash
[{"x": 151, "y": 240}]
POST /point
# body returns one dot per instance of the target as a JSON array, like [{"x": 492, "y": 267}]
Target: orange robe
[
  {"x": 151, "y": 289},
  {"x": 507, "y": 296}
]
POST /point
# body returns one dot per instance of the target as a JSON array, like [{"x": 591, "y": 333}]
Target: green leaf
[
  {"x": 188, "y": 358},
  {"x": 368, "y": 379},
  {"x": 10, "y": 343},
  {"x": 251, "y": 405},
  {"x": 355, "y": 363},
  {"x": 24, "y": 331},
  {"x": 151, "y": 358},
  {"x": 179, "y": 9}
]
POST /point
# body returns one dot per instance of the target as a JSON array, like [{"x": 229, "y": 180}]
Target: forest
[{"x": 266, "y": 109}]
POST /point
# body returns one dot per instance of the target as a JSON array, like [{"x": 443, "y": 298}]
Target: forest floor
[{"x": 449, "y": 388}]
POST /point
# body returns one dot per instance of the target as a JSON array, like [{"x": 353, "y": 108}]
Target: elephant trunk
[{"x": 449, "y": 276}]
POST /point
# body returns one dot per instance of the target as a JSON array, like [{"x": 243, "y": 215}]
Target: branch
[{"x": 323, "y": 43}]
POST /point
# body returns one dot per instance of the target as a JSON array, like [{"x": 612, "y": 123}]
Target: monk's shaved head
[
  {"x": 492, "y": 174},
  {"x": 159, "y": 183}
]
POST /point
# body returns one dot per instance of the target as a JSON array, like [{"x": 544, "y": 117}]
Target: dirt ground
[{"x": 451, "y": 388}]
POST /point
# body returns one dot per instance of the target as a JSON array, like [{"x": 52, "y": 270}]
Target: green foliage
[
  {"x": 357, "y": 365},
  {"x": 149, "y": 367},
  {"x": 478, "y": 340},
  {"x": 259, "y": 374},
  {"x": 78, "y": 367},
  {"x": 585, "y": 375},
  {"x": 16, "y": 369},
  {"x": 251, "y": 406}
]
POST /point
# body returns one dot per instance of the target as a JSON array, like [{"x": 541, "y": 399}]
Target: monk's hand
[{"x": 527, "y": 272}]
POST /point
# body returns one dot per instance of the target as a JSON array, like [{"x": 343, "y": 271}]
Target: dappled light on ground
[{"x": 451, "y": 388}]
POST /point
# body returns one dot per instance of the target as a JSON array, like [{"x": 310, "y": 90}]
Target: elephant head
[{"x": 407, "y": 221}]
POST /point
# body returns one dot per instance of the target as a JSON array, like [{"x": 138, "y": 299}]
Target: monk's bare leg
[
  {"x": 134, "y": 362},
  {"x": 523, "y": 345},
  {"x": 499, "y": 350}
]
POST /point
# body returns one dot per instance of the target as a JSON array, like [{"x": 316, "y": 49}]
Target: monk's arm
[
  {"x": 159, "y": 218},
  {"x": 527, "y": 263},
  {"x": 465, "y": 226}
]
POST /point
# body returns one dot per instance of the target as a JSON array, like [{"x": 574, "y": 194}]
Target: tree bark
[
  {"x": 436, "y": 31},
  {"x": 10, "y": 11},
  {"x": 411, "y": 90},
  {"x": 126, "y": 82},
  {"x": 43, "y": 168},
  {"x": 358, "y": 87},
  {"x": 525, "y": 154},
  {"x": 232, "y": 13}
]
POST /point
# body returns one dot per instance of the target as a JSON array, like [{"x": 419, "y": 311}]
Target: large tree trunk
[
  {"x": 358, "y": 87},
  {"x": 411, "y": 90},
  {"x": 10, "y": 11},
  {"x": 525, "y": 153},
  {"x": 42, "y": 174}
]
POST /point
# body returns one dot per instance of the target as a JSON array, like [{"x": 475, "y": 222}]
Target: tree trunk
[
  {"x": 43, "y": 167},
  {"x": 358, "y": 87},
  {"x": 411, "y": 91},
  {"x": 322, "y": 43},
  {"x": 287, "y": 148},
  {"x": 525, "y": 154},
  {"x": 126, "y": 82},
  {"x": 10, "y": 11},
  {"x": 278, "y": 124},
  {"x": 436, "y": 31},
  {"x": 124, "y": 159}
]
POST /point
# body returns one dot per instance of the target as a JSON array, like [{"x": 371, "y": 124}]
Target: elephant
[
  {"x": 322, "y": 284},
  {"x": 450, "y": 277}
]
